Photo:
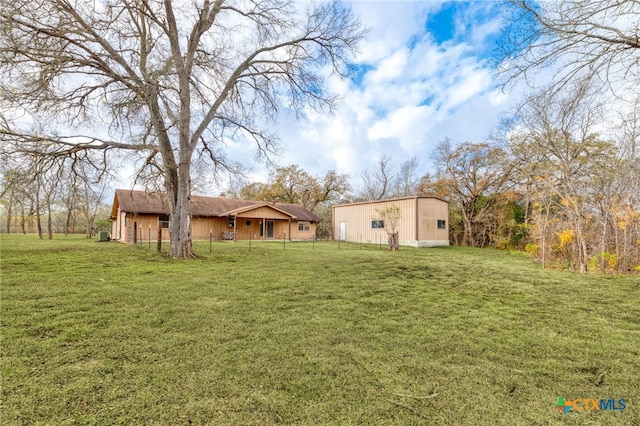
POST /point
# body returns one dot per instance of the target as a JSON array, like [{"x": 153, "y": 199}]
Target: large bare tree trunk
[
  {"x": 179, "y": 196},
  {"x": 180, "y": 227}
]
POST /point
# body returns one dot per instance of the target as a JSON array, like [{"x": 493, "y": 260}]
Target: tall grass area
[{"x": 309, "y": 334}]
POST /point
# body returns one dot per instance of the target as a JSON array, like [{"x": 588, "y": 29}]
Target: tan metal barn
[
  {"x": 424, "y": 221},
  {"x": 138, "y": 215}
]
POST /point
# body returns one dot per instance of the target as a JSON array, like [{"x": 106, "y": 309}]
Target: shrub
[{"x": 604, "y": 262}]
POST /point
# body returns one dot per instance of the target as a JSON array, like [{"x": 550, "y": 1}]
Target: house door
[
  {"x": 269, "y": 229},
  {"x": 342, "y": 235}
]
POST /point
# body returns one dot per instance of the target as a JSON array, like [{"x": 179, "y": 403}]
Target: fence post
[{"x": 159, "y": 243}]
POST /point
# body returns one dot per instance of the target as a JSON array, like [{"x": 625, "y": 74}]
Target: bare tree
[
  {"x": 34, "y": 179},
  {"x": 174, "y": 80},
  {"x": 8, "y": 206},
  {"x": 10, "y": 191},
  {"x": 69, "y": 202},
  {"x": 34, "y": 175},
  {"x": 377, "y": 182},
  {"x": 89, "y": 190},
  {"x": 407, "y": 180},
  {"x": 582, "y": 42}
]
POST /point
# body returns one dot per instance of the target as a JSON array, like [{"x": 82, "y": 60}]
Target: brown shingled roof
[
  {"x": 302, "y": 213},
  {"x": 156, "y": 203},
  {"x": 139, "y": 202}
]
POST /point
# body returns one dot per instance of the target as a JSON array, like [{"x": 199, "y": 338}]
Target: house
[
  {"x": 424, "y": 221},
  {"x": 139, "y": 215}
]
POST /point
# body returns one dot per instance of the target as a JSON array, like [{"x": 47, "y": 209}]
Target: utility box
[{"x": 103, "y": 236}]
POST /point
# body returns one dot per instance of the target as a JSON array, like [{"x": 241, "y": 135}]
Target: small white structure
[{"x": 424, "y": 221}]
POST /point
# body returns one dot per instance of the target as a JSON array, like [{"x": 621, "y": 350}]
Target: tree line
[
  {"x": 552, "y": 186},
  {"x": 176, "y": 85},
  {"x": 47, "y": 194}
]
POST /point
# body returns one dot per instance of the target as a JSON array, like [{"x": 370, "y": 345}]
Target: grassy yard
[{"x": 103, "y": 333}]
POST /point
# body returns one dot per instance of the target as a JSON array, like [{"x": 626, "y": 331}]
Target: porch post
[{"x": 235, "y": 226}]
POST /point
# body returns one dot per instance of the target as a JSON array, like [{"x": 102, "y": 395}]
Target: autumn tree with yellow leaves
[{"x": 583, "y": 214}]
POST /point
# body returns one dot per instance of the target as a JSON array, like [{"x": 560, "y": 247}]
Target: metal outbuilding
[{"x": 424, "y": 221}]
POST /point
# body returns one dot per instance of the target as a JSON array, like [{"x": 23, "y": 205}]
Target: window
[
  {"x": 377, "y": 224},
  {"x": 164, "y": 221},
  {"x": 304, "y": 226},
  {"x": 232, "y": 222},
  {"x": 442, "y": 224}
]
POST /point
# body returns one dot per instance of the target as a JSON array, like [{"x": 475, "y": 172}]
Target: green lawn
[{"x": 103, "y": 333}]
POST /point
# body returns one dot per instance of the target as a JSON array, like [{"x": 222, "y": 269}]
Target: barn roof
[{"x": 142, "y": 202}]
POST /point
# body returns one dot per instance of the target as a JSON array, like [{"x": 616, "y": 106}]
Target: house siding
[
  {"x": 143, "y": 225},
  {"x": 116, "y": 225},
  {"x": 302, "y": 235},
  {"x": 262, "y": 212},
  {"x": 204, "y": 227}
]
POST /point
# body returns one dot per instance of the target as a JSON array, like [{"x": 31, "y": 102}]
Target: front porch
[
  {"x": 266, "y": 222},
  {"x": 262, "y": 222},
  {"x": 249, "y": 228}
]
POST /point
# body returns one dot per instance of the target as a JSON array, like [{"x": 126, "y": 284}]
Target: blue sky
[{"x": 424, "y": 73}]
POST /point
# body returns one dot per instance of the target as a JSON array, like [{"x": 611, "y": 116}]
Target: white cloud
[
  {"x": 408, "y": 124},
  {"x": 414, "y": 93},
  {"x": 471, "y": 82},
  {"x": 388, "y": 69}
]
